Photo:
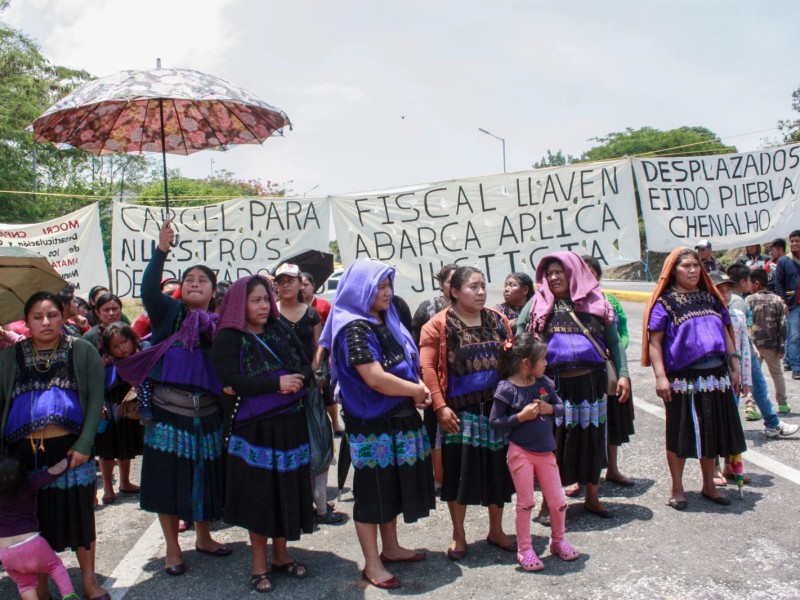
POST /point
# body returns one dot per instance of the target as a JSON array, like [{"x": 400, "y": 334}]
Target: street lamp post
[
  {"x": 497, "y": 137},
  {"x": 311, "y": 190}
]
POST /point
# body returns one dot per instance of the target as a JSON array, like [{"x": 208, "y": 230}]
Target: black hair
[
  {"x": 41, "y": 297},
  {"x": 593, "y": 264},
  {"x": 170, "y": 281},
  {"x": 299, "y": 289},
  {"x": 219, "y": 293},
  {"x": 256, "y": 281},
  {"x": 780, "y": 243},
  {"x": 737, "y": 272},
  {"x": 310, "y": 277},
  {"x": 441, "y": 276},
  {"x": 795, "y": 233},
  {"x": 105, "y": 299},
  {"x": 679, "y": 259},
  {"x": 206, "y": 270},
  {"x": 459, "y": 278},
  {"x": 524, "y": 280},
  {"x": 759, "y": 275},
  {"x": 119, "y": 328},
  {"x": 66, "y": 294},
  {"x": 12, "y": 476},
  {"x": 524, "y": 345},
  {"x": 94, "y": 291},
  {"x": 81, "y": 302}
]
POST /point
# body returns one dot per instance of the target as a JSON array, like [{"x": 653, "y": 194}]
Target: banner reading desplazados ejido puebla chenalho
[
  {"x": 499, "y": 223},
  {"x": 235, "y": 238},
  {"x": 734, "y": 199},
  {"x": 72, "y": 243}
]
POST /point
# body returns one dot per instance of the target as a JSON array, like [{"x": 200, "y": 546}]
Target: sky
[{"x": 387, "y": 94}]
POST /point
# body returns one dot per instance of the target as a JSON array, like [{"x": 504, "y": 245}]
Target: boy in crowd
[
  {"x": 775, "y": 428},
  {"x": 776, "y": 249},
  {"x": 787, "y": 282},
  {"x": 768, "y": 332}
]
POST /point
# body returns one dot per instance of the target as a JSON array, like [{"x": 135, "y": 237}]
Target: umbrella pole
[{"x": 164, "y": 154}]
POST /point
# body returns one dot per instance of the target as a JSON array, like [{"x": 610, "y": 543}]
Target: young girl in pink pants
[
  {"x": 525, "y": 403},
  {"x": 26, "y": 555}
]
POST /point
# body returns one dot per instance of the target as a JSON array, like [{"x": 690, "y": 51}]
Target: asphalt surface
[{"x": 648, "y": 550}]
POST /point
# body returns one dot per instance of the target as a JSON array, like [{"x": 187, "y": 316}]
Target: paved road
[{"x": 748, "y": 550}]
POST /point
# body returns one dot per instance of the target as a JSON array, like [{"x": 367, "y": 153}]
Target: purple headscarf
[
  {"x": 233, "y": 311},
  {"x": 584, "y": 291},
  {"x": 354, "y": 298}
]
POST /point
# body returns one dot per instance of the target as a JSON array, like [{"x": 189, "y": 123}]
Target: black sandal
[
  {"x": 257, "y": 580},
  {"x": 292, "y": 569}
]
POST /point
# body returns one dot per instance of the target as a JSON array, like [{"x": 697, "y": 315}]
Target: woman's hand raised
[{"x": 166, "y": 236}]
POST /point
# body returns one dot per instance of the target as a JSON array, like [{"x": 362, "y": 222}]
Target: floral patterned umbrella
[{"x": 179, "y": 111}]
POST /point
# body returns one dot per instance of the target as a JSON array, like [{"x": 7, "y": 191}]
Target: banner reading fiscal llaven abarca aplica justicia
[
  {"x": 498, "y": 223},
  {"x": 733, "y": 199},
  {"x": 72, "y": 243},
  {"x": 235, "y": 238}
]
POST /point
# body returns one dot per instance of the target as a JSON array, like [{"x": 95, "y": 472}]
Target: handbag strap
[
  {"x": 588, "y": 334},
  {"x": 263, "y": 343}
]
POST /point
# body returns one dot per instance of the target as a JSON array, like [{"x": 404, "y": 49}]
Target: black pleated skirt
[
  {"x": 123, "y": 439},
  {"x": 268, "y": 478},
  {"x": 703, "y": 421},
  {"x": 66, "y": 506},
  {"x": 581, "y": 443},
  {"x": 393, "y": 472},
  {"x": 182, "y": 466},
  {"x": 620, "y": 421},
  {"x": 474, "y": 461}
]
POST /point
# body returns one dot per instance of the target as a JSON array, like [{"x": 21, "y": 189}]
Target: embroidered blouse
[
  {"x": 364, "y": 343},
  {"x": 694, "y": 327}
]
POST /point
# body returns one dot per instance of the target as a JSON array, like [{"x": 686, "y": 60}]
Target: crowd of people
[{"x": 231, "y": 394}]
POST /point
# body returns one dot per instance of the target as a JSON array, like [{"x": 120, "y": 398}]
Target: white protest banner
[
  {"x": 733, "y": 199},
  {"x": 72, "y": 243},
  {"x": 235, "y": 238},
  {"x": 498, "y": 223}
]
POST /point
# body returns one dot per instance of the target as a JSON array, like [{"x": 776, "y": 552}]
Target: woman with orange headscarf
[{"x": 687, "y": 338}]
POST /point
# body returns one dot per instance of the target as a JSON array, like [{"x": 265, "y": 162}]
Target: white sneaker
[{"x": 782, "y": 430}]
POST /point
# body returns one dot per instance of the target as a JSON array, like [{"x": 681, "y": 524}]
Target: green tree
[
  {"x": 553, "y": 160},
  {"x": 682, "y": 141},
  {"x": 222, "y": 186},
  {"x": 791, "y": 128},
  {"x": 28, "y": 85}
]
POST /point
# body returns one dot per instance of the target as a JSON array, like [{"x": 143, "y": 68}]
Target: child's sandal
[
  {"x": 529, "y": 561},
  {"x": 564, "y": 550}
]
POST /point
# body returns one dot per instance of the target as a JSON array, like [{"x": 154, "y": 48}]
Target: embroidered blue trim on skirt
[{"x": 271, "y": 459}]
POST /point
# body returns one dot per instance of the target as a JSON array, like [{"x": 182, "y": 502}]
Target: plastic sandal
[
  {"x": 529, "y": 561},
  {"x": 257, "y": 582},
  {"x": 564, "y": 550}
]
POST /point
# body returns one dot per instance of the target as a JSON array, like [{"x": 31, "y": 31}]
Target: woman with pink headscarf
[{"x": 567, "y": 306}]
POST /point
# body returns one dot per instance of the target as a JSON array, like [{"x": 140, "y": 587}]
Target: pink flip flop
[
  {"x": 564, "y": 550},
  {"x": 529, "y": 561}
]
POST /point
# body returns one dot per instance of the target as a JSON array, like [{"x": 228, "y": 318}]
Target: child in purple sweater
[
  {"x": 26, "y": 554},
  {"x": 525, "y": 403}
]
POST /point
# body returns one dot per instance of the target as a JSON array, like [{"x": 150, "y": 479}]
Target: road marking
[
  {"x": 131, "y": 567},
  {"x": 754, "y": 456}
]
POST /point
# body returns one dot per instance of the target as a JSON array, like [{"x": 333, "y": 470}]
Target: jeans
[
  {"x": 793, "y": 338},
  {"x": 761, "y": 396},
  {"x": 524, "y": 466}
]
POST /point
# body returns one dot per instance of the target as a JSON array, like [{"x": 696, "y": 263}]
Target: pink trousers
[
  {"x": 524, "y": 466},
  {"x": 26, "y": 561}
]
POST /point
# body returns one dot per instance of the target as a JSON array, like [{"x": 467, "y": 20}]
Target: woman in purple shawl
[
  {"x": 266, "y": 374},
  {"x": 566, "y": 290},
  {"x": 182, "y": 469},
  {"x": 375, "y": 362}
]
